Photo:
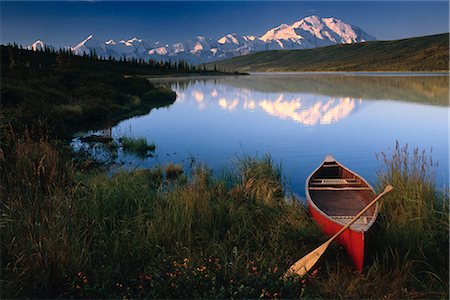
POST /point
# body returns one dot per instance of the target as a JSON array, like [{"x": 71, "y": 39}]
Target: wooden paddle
[{"x": 304, "y": 264}]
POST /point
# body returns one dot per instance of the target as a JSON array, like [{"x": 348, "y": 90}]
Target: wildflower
[{"x": 201, "y": 268}]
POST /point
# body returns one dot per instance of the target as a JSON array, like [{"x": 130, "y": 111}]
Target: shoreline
[
  {"x": 170, "y": 77},
  {"x": 357, "y": 73}
]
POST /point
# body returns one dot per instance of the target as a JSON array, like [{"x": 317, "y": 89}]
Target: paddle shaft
[{"x": 386, "y": 190}]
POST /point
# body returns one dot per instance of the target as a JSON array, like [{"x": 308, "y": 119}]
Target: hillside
[
  {"x": 65, "y": 93},
  {"x": 428, "y": 53}
]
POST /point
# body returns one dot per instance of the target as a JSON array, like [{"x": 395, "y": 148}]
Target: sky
[{"x": 68, "y": 22}]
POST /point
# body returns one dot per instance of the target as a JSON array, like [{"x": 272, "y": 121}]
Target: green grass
[
  {"x": 137, "y": 146},
  {"x": 74, "y": 234},
  {"x": 428, "y": 53}
]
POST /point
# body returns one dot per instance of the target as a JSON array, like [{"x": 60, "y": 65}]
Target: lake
[{"x": 298, "y": 119}]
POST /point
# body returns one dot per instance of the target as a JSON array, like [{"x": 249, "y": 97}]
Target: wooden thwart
[{"x": 339, "y": 189}]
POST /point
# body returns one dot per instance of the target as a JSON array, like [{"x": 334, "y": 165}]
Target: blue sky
[{"x": 67, "y": 23}]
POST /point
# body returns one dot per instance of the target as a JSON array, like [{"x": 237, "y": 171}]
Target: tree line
[{"x": 14, "y": 56}]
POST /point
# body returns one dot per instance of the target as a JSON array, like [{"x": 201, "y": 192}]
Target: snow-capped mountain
[
  {"x": 309, "y": 32},
  {"x": 39, "y": 46}
]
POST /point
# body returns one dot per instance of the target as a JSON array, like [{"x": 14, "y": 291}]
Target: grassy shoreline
[{"x": 163, "y": 233}]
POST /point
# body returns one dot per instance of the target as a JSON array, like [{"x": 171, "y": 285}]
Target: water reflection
[
  {"x": 298, "y": 119},
  {"x": 420, "y": 88},
  {"x": 325, "y": 112},
  {"x": 305, "y": 109}
]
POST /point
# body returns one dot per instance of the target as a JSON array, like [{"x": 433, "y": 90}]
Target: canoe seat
[
  {"x": 363, "y": 220},
  {"x": 330, "y": 181}
]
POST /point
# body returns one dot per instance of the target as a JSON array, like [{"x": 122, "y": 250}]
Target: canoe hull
[
  {"x": 354, "y": 242},
  {"x": 335, "y": 195}
]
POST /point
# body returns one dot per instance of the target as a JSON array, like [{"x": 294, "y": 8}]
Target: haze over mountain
[{"x": 309, "y": 32}]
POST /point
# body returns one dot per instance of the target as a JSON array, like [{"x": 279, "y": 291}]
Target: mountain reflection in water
[
  {"x": 305, "y": 109},
  {"x": 298, "y": 119}
]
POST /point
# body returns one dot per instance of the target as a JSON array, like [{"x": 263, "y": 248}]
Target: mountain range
[
  {"x": 423, "y": 54},
  {"x": 309, "y": 32}
]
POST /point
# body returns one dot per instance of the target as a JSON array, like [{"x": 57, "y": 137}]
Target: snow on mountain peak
[
  {"x": 135, "y": 39},
  {"x": 309, "y": 32},
  {"x": 81, "y": 48},
  {"x": 38, "y": 45},
  {"x": 313, "y": 31},
  {"x": 282, "y": 32},
  {"x": 313, "y": 20},
  {"x": 229, "y": 39}
]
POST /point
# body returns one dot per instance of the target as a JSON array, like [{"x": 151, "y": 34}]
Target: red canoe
[{"x": 335, "y": 195}]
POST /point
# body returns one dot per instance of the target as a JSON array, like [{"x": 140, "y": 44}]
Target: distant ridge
[{"x": 427, "y": 53}]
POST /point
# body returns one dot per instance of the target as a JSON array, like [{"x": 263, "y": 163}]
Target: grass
[
  {"x": 69, "y": 233},
  {"x": 173, "y": 171},
  {"x": 137, "y": 146},
  {"x": 415, "y": 217}
]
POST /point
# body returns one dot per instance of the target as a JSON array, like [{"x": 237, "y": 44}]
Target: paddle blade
[
  {"x": 388, "y": 189},
  {"x": 304, "y": 264}
]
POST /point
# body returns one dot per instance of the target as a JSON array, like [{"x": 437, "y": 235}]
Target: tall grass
[
  {"x": 89, "y": 235},
  {"x": 41, "y": 242},
  {"x": 148, "y": 233},
  {"x": 411, "y": 249},
  {"x": 415, "y": 216}
]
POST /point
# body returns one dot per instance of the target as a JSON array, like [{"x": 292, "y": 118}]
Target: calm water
[{"x": 298, "y": 119}]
